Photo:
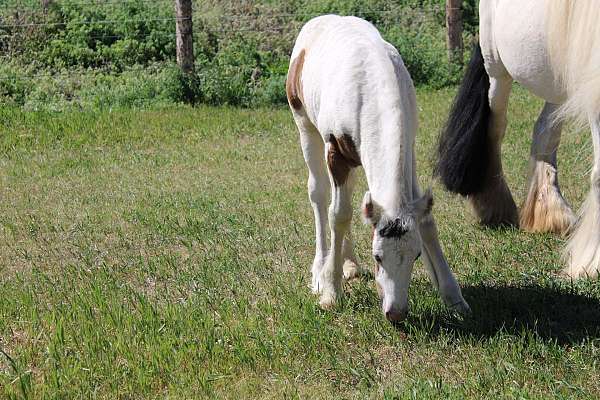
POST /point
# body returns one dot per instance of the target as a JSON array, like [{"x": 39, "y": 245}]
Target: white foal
[
  {"x": 553, "y": 49},
  {"x": 354, "y": 104}
]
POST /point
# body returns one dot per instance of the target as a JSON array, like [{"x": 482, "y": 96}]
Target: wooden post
[
  {"x": 185, "y": 44},
  {"x": 45, "y": 5},
  {"x": 454, "y": 29}
]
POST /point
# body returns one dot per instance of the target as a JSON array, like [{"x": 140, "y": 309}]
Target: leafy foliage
[{"x": 61, "y": 55}]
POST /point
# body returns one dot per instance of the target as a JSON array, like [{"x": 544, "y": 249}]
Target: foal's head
[{"x": 396, "y": 247}]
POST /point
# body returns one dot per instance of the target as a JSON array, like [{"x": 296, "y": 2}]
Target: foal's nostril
[{"x": 396, "y": 316}]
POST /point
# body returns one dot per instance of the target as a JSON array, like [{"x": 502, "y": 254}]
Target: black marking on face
[{"x": 395, "y": 228}]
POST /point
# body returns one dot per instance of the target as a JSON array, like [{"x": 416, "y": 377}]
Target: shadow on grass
[{"x": 548, "y": 313}]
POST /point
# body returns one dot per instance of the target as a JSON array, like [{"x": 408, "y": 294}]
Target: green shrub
[
  {"x": 14, "y": 87},
  {"x": 242, "y": 49},
  {"x": 421, "y": 53},
  {"x": 135, "y": 87}
]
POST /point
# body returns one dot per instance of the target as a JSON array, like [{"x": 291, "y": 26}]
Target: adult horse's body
[
  {"x": 553, "y": 49},
  {"x": 354, "y": 104}
]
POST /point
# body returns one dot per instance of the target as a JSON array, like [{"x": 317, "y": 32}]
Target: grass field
[{"x": 165, "y": 254}]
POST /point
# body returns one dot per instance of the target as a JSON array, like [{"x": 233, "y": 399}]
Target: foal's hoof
[
  {"x": 351, "y": 270},
  {"x": 462, "y": 308},
  {"x": 327, "y": 300}
]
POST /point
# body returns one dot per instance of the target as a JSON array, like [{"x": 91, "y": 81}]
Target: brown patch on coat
[
  {"x": 341, "y": 158},
  {"x": 293, "y": 86}
]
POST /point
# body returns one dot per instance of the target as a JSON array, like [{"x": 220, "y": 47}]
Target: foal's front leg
[
  {"x": 340, "y": 218},
  {"x": 441, "y": 276},
  {"x": 313, "y": 150},
  {"x": 436, "y": 265}
]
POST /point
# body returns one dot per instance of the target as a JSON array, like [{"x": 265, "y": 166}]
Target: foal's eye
[{"x": 377, "y": 258}]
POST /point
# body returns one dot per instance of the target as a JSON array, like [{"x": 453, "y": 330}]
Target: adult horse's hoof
[
  {"x": 545, "y": 209},
  {"x": 580, "y": 271},
  {"x": 495, "y": 207}
]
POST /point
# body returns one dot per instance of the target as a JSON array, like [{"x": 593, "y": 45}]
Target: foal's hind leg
[
  {"x": 495, "y": 206},
  {"x": 313, "y": 149},
  {"x": 545, "y": 209},
  {"x": 351, "y": 268},
  {"x": 583, "y": 250},
  {"x": 340, "y": 217}
]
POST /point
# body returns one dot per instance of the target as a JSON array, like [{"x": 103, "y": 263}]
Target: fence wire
[
  {"x": 234, "y": 20},
  {"x": 38, "y": 6},
  {"x": 300, "y": 16},
  {"x": 105, "y": 22}
]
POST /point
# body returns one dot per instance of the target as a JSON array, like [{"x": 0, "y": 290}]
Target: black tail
[{"x": 463, "y": 150}]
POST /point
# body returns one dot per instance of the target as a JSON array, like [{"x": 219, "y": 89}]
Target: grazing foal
[{"x": 354, "y": 104}]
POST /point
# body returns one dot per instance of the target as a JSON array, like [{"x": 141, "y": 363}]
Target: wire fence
[
  {"x": 430, "y": 12},
  {"x": 226, "y": 23},
  {"x": 299, "y": 16},
  {"x": 100, "y": 22},
  {"x": 37, "y": 5}
]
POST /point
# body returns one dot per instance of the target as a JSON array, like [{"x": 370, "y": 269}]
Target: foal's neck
[
  {"x": 390, "y": 163},
  {"x": 389, "y": 143}
]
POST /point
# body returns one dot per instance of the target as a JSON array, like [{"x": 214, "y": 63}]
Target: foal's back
[{"x": 350, "y": 76}]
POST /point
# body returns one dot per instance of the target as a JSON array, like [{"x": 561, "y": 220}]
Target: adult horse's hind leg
[
  {"x": 313, "y": 149},
  {"x": 494, "y": 205},
  {"x": 468, "y": 159},
  {"x": 545, "y": 209},
  {"x": 582, "y": 253}
]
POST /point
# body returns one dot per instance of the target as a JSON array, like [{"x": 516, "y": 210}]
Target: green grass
[{"x": 165, "y": 254}]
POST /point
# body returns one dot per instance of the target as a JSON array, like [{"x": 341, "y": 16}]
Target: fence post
[
  {"x": 185, "y": 44},
  {"x": 454, "y": 29},
  {"x": 45, "y": 5}
]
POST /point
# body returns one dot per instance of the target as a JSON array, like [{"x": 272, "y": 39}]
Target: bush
[
  {"x": 134, "y": 87},
  {"x": 14, "y": 88},
  {"x": 242, "y": 49}
]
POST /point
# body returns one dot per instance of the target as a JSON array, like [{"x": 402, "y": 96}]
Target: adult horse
[
  {"x": 553, "y": 49},
  {"x": 354, "y": 104}
]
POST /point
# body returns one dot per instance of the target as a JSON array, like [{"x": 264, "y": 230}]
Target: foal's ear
[
  {"x": 422, "y": 206},
  {"x": 371, "y": 211}
]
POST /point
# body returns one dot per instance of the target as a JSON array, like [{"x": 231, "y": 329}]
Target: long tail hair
[
  {"x": 463, "y": 147},
  {"x": 573, "y": 28}
]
